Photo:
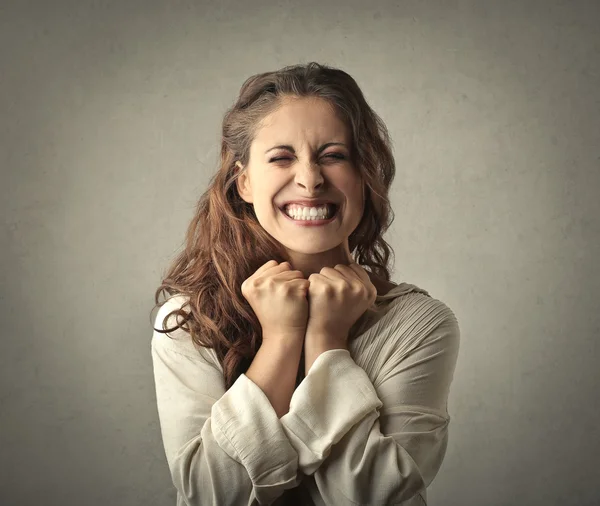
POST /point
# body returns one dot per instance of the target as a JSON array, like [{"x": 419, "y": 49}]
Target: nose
[{"x": 309, "y": 176}]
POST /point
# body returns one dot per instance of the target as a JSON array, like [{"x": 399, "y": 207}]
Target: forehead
[{"x": 311, "y": 120}]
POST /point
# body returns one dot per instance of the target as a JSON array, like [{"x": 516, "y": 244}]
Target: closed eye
[{"x": 338, "y": 156}]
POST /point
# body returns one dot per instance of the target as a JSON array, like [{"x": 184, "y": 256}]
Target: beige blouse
[{"x": 366, "y": 426}]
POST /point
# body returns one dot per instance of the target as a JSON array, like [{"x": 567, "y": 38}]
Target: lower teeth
[{"x": 310, "y": 218}]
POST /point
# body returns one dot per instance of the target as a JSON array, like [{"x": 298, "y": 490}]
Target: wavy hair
[{"x": 225, "y": 244}]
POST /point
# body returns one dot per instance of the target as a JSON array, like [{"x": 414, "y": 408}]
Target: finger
[
  {"x": 348, "y": 272},
  {"x": 315, "y": 278},
  {"x": 265, "y": 266},
  {"x": 288, "y": 275},
  {"x": 299, "y": 283},
  {"x": 361, "y": 273},
  {"x": 335, "y": 274},
  {"x": 283, "y": 266},
  {"x": 366, "y": 278}
]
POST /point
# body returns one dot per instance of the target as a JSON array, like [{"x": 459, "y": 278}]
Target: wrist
[
  {"x": 315, "y": 345},
  {"x": 326, "y": 340},
  {"x": 282, "y": 341}
]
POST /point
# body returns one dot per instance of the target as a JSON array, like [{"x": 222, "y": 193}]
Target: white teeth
[{"x": 308, "y": 213}]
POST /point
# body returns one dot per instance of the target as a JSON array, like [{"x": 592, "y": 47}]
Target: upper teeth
[{"x": 307, "y": 213}]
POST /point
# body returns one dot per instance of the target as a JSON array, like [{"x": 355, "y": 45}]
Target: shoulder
[
  {"x": 417, "y": 316},
  {"x": 420, "y": 305},
  {"x": 174, "y": 302},
  {"x": 406, "y": 314},
  {"x": 179, "y": 340},
  {"x": 413, "y": 321}
]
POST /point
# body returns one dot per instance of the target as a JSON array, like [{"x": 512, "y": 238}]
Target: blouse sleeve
[
  {"x": 383, "y": 445},
  {"x": 222, "y": 447}
]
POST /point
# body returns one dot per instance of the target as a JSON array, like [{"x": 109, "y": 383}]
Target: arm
[
  {"x": 274, "y": 370},
  {"x": 222, "y": 447},
  {"x": 381, "y": 445},
  {"x": 315, "y": 347}
]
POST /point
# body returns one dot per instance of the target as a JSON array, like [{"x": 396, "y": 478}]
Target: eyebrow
[{"x": 290, "y": 148}]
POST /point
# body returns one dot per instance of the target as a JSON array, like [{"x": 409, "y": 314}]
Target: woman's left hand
[{"x": 337, "y": 298}]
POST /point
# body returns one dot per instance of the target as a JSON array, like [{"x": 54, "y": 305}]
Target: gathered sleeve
[
  {"x": 222, "y": 447},
  {"x": 383, "y": 444}
]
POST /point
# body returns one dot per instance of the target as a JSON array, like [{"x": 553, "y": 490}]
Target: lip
[
  {"x": 312, "y": 223},
  {"x": 308, "y": 202}
]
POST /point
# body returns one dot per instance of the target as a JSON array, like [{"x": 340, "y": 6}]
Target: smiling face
[{"x": 308, "y": 169}]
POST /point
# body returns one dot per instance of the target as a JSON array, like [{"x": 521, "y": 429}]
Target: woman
[{"x": 295, "y": 375}]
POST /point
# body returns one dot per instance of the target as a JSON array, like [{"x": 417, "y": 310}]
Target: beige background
[{"x": 109, "y": 127}]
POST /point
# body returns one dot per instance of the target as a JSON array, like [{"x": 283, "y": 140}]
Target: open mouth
[{"x": 332, "y": 211}]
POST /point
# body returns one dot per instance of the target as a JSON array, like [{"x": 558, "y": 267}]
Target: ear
[{"x": 243, "y": 184}]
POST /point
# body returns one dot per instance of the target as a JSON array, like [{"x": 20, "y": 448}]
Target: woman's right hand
[{"x": 278, "y": 296}]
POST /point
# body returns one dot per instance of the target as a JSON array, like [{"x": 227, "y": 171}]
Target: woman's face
[{"x": 275, "y": 176}]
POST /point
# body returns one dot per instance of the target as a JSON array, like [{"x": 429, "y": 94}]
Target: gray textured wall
[{"x": 109, "y": 129}]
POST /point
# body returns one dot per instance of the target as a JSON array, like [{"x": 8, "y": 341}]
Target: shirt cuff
[
  {"x": 335, "y": 395},
  {"x": 247, "y": 428}
]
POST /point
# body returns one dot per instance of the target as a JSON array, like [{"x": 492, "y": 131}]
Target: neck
[{"x": 311, "y": 263}]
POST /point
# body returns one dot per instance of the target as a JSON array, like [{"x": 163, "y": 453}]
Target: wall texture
[{"x": 109, "y": 127}]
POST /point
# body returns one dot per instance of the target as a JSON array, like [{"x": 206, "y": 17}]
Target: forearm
[
  {"x": 222, "y": 447},
  {"x": 274, "y": 370},
  {"x": 315, "y": 345}
]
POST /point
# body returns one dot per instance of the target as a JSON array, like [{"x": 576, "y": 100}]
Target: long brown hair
[{"x": 225, "y": 243}]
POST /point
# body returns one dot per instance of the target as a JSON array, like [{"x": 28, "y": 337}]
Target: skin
[{"x": 305, "y": 124}]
